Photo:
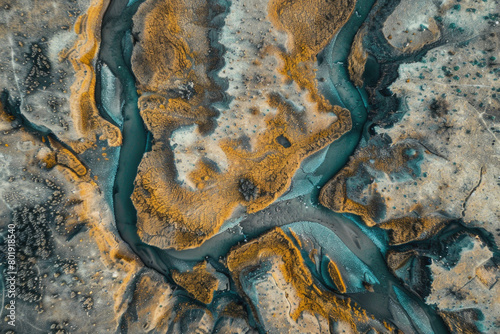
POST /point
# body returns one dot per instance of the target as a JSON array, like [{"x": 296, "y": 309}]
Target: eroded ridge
[
  {"x": 273, "y": 265},
  {"x": 88, "y": 124},
  {"x": 230, "y": 96}
]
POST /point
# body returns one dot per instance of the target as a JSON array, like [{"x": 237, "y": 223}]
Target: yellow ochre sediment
[
  {"x": 88, "y": 123},
  {"x": 199, "y": 282},
  {"x": 276, "y": 245},
  {"x": 172, "y": 214}
]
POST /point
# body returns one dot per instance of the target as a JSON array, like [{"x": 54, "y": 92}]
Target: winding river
[{"x": 299, "y": 204}]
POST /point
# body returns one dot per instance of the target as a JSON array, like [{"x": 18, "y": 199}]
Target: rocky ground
[
  {"x": 432, "y": 159},
  {"x": 426, "y": 174}
]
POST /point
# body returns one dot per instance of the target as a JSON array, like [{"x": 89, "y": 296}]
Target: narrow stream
[{"x": 115, "y": 53}]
